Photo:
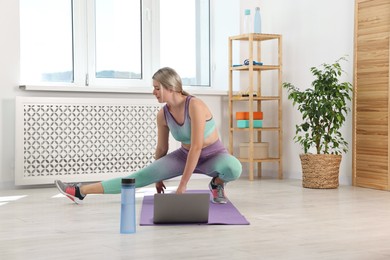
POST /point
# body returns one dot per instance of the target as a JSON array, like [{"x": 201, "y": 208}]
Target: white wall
[
  {"x": 313, "y": 32},
  {"x": 9, "y": 67}
]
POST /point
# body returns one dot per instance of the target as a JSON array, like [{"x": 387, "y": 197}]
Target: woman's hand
[
  {"x": 160, "y": 187},
  {"x": 181, "y": 189}
]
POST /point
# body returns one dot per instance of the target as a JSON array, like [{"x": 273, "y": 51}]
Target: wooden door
[{"x": 371, "y": 94}]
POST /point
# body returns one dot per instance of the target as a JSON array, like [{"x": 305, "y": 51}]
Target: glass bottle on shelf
[
  {"x": 247, "y": 22},
  {"x": 257, "y": 21}
]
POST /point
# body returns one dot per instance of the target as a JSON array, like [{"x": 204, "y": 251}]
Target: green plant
[{"x": 323, "y": 108}]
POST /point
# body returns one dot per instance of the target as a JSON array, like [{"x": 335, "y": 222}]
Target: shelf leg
[
  {"x": 251, "y": 171},
  {"x": 259, "y": 170}
]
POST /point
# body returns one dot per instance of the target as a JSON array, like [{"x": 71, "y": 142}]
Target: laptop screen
[{"x": 181, "y": 208}]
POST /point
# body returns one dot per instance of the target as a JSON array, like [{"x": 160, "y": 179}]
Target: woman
[{"x": 190, "y": 122}]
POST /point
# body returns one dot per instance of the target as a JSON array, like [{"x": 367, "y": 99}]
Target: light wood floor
[{"x": 287, "y": 222}]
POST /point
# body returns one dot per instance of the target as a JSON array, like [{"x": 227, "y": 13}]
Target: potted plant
[{"x": 324, "y": 107}]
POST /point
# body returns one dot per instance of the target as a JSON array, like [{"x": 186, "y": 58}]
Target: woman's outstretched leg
[{"x": 167, "y": 167}]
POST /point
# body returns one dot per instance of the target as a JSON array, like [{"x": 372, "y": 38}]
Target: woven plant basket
[{"x": 320, "y": 171}]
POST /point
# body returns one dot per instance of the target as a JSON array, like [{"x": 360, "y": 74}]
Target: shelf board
[
  {"x": 271, "y": 159},
  {"x": 256, "y": 37},
  {"x": 256, "y": 67},
  {"x": 264, "y": 98},
  {"x": 256, "y": 129}
]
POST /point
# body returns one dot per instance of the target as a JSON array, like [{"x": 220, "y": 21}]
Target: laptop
[{"x": 174, "y": 208}]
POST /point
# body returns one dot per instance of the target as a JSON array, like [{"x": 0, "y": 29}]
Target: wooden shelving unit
[{"x": 255, "y": 101}]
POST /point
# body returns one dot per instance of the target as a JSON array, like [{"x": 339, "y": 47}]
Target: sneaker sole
[
  {"x": 73, "y": 198},
  {"x": 218, "y": 202}
]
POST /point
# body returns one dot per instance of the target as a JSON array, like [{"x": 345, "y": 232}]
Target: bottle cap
[
  {"x": 247, "y": 11},
  {"x": 128, "y": 181},
  {"x": 257, "y": 9}
]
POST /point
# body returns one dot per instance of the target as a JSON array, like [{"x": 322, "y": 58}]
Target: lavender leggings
[{"x": 214, "y": 161}]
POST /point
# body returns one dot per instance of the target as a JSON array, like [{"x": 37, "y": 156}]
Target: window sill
[{"x": 134, "y": 90}]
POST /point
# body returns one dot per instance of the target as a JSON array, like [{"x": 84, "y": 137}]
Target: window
[
  {"x": 117, "y": 43},
  {"x": 46, "y": 41},
  {"x": 118, "y": 39},
  {"x": 185, "y": 39}
]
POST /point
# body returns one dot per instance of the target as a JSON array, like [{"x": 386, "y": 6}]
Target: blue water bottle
[
  {"x": 128, "y": 206},
  {"x": 257, "y": 21}
]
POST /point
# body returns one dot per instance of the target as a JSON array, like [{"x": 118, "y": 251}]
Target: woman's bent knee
[{"x": 233, "y": 170}]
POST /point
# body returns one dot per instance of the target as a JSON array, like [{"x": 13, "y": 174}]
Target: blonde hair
[{"x": 170, "y": 80}]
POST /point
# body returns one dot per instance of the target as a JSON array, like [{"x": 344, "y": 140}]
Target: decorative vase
[{"x": 320, "y": 171}]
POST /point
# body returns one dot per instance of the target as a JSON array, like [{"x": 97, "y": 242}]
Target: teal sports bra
[{"x": 182, "y": 132}]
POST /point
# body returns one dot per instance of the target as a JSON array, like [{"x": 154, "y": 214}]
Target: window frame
[{"x": 84, "y": 53}]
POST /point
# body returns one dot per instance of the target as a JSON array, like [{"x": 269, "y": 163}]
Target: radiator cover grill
[{"x": 82, "y": 139}]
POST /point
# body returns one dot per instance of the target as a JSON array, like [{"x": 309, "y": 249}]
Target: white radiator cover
[{"x": 83, "y": 139}]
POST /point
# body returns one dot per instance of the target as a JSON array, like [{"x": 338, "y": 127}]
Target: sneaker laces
[{"x": 220, "y": 191}]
